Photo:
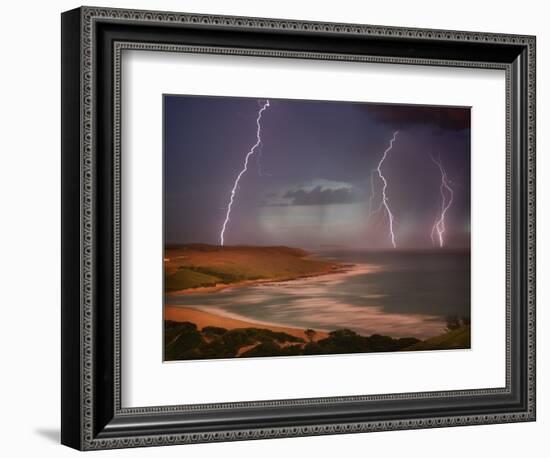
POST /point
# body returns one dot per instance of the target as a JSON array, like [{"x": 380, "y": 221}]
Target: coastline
[
  {"x": 232, "y": 337},
  {"x": 334, "y": 268},
  {"x": 203, "y": 319}
]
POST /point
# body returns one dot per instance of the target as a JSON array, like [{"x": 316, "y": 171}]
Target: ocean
[{"x": 395, "y": 293}]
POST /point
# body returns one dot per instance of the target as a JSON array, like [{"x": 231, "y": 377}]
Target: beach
[
  {"x": 202, "y": 319},
  {"x": 330, "y": 270},
  {"x": 397, "y": 294},
  {"x": 259, "y": 301}
]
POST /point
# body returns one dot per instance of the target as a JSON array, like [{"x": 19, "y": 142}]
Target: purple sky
[{"x": 313, "y": 185}]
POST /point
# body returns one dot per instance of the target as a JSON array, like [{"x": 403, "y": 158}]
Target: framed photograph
[
  {"x": 318, "y": 238},
  {"x": 277, "y": 228}
]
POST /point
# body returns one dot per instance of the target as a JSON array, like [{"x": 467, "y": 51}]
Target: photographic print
[{"x": 309, "y": 227}]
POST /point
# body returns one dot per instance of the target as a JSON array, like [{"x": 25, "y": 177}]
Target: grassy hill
[
  {"x": 199, "y": 265},
  {"x": 452, "y": 340}
]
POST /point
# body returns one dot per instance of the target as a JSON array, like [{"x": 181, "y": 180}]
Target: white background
[
  {"x": 30, "y": 243},
  {"x": 147, "y": 76}
]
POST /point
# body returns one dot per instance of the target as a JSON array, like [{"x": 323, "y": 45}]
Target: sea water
[{"x": 396, "y": 293}]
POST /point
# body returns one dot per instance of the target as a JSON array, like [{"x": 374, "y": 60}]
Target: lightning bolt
[
  {"x": 244, "y": 169},
  {"x": 438, "y": 228},
  {"x": 259, "y": 162},
  {"x": 384, "y": 202}
]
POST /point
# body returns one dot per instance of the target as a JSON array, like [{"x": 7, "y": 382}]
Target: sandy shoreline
[
  {"x": 202, "y": 319},
  {"x": 334, "y": 269}
]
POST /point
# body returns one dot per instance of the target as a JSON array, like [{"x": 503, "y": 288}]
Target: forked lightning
[
  {"x": 384, "y": 203},
  {"x": 252, "y": 150},
  {"x": 438, "y": 229}
]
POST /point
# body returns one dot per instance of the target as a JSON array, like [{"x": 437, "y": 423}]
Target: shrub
[
  {"x": 214, "y": 330},
  {"x": 182, "y": 343},
  {"x": 180, "y": 339},
  {"x": 382, "y": 343},
  {"x": 263, "y": 349},
  {"x": 310, "y": 334},
  {"x": 405, "y": 342},
  {"x": 236, "y": 338}
]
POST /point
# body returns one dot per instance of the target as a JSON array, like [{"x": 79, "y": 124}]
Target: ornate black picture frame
[{"x": 92, "y": 42}]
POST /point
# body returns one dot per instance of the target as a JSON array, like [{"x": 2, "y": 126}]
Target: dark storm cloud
[
  {"x": 321, "y": 196},
  {"x": 450, "y": 119}
]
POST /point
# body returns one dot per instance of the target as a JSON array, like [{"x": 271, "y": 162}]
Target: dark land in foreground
[{"x": 184, "y": 340}]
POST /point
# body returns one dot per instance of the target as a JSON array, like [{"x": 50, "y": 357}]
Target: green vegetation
[
  {"x": 452, "y": 340},
  {"x": 185, "y": 278},
  {"x": 180, "y": 338},
  {"x": 197, "y": 265},
  {"x": 347, "y": 341},
  {"x": 185, "y": 341},
  {"x": 272, "y": 349}
]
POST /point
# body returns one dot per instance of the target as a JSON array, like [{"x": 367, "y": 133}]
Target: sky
[{"x": 309, "y": 183}]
